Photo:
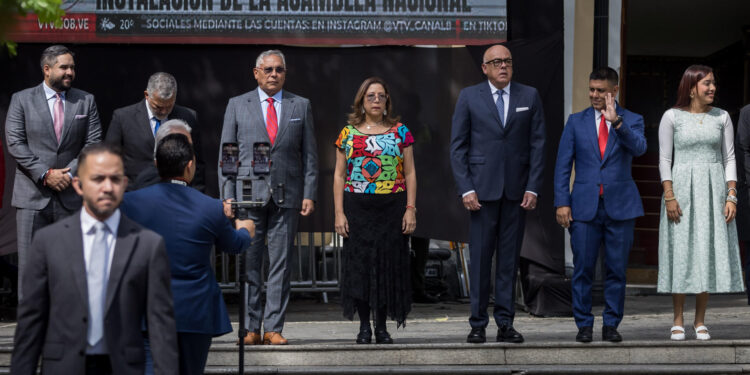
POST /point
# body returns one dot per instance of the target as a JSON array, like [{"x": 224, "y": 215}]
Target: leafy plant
[{"x": 48, "y": 11}]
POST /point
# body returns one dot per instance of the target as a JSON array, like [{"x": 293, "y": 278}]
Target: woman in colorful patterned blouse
[{"x": 374, "y": 192}]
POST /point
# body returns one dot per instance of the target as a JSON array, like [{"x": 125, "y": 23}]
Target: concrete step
[
  {"x": 470, "y": 370},
  {"x": 715, "y": 352}
]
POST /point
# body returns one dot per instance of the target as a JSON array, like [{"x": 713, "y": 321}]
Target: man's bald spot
[{"x": 494, "y": 50}]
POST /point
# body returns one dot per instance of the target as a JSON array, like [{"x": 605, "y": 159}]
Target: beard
[
  {"x": 99, "y": 212},
  {"x": 59, "y": 84}
]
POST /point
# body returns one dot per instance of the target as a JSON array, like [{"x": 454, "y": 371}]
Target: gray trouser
[
  {"x": 27, "y": 223},
  {"x": 279, "y": 225}
]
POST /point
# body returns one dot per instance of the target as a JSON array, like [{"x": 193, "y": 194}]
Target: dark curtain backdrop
[{"x": 424, "y": 84}]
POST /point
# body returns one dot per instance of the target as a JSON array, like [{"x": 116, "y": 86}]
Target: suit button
[
  {"x": 81, "y": 352},
  {"x": 85, "y": 320}
]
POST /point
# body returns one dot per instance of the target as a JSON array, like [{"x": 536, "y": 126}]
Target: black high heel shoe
[
  {"x": 364, "y": 336},
  {"x": 383, "y": 337}
]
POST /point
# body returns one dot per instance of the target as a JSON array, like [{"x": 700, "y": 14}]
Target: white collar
[
  {"x": 505, "y": 89},
  {"x": 263, "y": 96},
  {"x": 88, "y": 221},
  {"x": 49, "y": 92}
]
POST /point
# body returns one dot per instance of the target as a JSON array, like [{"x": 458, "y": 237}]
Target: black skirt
[{"x": 376, "y": 255}]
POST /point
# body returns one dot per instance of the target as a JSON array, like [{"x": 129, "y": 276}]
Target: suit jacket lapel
[
  {"x": 41, "y": 106},
  {"x": 126, "y": 241},
  {"x": 612, "y": 140},
  {"x": 143, "y": 124},
  {"x": 287, "y": 107},
  {"x": 512, "y": 99},
  {"x": 73, "y": 240},
  {"x": 71, "y": 108},
  {"x": 486, "y": 96},
  {"x": 255, "y": 109},
  {"x": 589, "y": 126}
]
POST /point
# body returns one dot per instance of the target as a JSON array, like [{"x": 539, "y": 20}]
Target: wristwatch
[{"x": 617, "y": 122}]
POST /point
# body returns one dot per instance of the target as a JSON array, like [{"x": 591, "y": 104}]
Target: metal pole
[{"x": 242, "y": 331}]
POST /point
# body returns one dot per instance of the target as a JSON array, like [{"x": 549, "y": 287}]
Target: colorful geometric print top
[{"x": 374, "y": 163}]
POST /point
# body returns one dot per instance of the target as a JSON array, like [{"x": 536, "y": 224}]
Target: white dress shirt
[
  {"x": 597, "y": 119},
  {"x": 506, "y": 97},
  {"x": 276, "y": 105},
  {"x": 88, "y": 230},
  {"x": 49, "y": 93},
  {"x": 151, "y": 120}
]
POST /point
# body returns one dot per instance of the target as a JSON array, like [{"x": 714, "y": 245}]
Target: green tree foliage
[{"x": 48, "y": 11}]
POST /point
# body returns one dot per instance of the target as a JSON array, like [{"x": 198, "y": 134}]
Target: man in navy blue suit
[
  {"x": 191, "y": 223},
  {"x": 497, "y": 156},
  {"x": 601, "y": 210}
]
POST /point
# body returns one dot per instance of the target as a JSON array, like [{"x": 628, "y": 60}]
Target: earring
[
  {"x": 385, "y": 112},
  {"x": 363, "y": 109}
]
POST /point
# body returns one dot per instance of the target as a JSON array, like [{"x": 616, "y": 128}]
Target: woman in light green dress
[{"x": 698, "y": 246}]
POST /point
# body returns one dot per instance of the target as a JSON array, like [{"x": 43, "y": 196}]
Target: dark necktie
[{"x": 500, "y": 103}]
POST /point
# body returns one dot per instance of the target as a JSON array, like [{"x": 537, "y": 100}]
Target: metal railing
[{"x": 316, "y": 266}]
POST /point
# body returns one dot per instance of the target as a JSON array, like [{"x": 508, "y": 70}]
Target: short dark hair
[
  {"x": 49, "y": 56},
  {"x": 96, "y": 149},
  {"x": 605, "y": 73},
  {"x": 173, "y": 153}
]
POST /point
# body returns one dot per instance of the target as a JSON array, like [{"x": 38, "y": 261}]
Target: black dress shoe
[
  {"x": 509, "y": 334},
  {"x": 609, "y": 333},
  {"x": 585, "y": 334},
  {"x": 364, "y": 336},
  {"x": 383, "y": 337},
  {"x": 476, "y": 336}
]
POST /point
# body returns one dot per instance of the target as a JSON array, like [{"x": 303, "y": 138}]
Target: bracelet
[
  {"x": 732, "y": 189},
  {"x": 669, "y": 199},
  {"x": 732, "y": 198},
  {"x": 412, "y": 207}
]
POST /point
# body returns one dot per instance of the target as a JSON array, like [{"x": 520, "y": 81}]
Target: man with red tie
[
  {"x": 602, "y": 141},
  {"x": 269, "y": 117}
]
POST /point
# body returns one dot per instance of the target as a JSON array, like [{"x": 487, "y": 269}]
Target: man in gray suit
[
  {"x": 93, "y": 279},
  {"x": 285, "y": 122},
  {"x": 46, "y": 127}
]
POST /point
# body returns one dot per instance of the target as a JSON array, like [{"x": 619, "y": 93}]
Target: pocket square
[
  {"x": 521, "y": 109},
  {"x": 81, "y": 116},
  {"x": 295, "y": 119}
]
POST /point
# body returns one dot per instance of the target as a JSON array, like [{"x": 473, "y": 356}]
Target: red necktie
[
  {"x": 272, "y": 123},
  {"x": 59, "y": 116},
  {"x": 603, "y": 136}
]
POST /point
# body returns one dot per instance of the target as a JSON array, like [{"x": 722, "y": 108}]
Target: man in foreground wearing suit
[
  {"x": 284, "y": 121},
  {"x": 134, "y": 127},
  {"x": 602, "y": 141},
  {"x": 46, "y": 127},
  {"x": 93, "y": 278},
  {"x": 497, "y": 155},
  {"x": 191, "y": 224}
]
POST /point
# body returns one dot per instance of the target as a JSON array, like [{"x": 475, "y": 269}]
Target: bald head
[{"x": 497, "y": 65}]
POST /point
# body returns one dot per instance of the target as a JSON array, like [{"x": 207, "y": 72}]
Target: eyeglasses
[
  {"x": 381, "y": 97},
  {"x": 496, "y": 63},
  {"x": 268, "y": 70}
]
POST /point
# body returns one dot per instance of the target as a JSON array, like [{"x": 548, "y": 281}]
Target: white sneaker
[
  {"x": 679, "y": 336},
  {"x": 702, "y": 336}
]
